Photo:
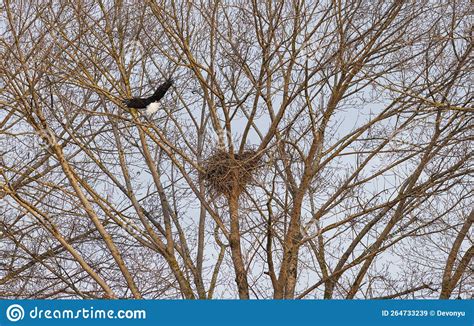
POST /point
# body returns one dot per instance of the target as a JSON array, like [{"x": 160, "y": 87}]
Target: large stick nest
[{"x": 224, "y": 174}]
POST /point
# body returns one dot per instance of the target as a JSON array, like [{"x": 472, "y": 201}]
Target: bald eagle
[{"x": 150, "y": 104}]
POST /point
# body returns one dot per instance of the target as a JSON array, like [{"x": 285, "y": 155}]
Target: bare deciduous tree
[{"x": 308, "y": 149}]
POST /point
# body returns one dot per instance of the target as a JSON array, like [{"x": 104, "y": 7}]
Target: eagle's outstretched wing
[
  {"x": 161, "y": 90},
  {"x": 142, "y": 103}
]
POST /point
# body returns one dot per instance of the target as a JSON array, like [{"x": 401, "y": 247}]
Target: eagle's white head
[{"x": 152, "y": 108}]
